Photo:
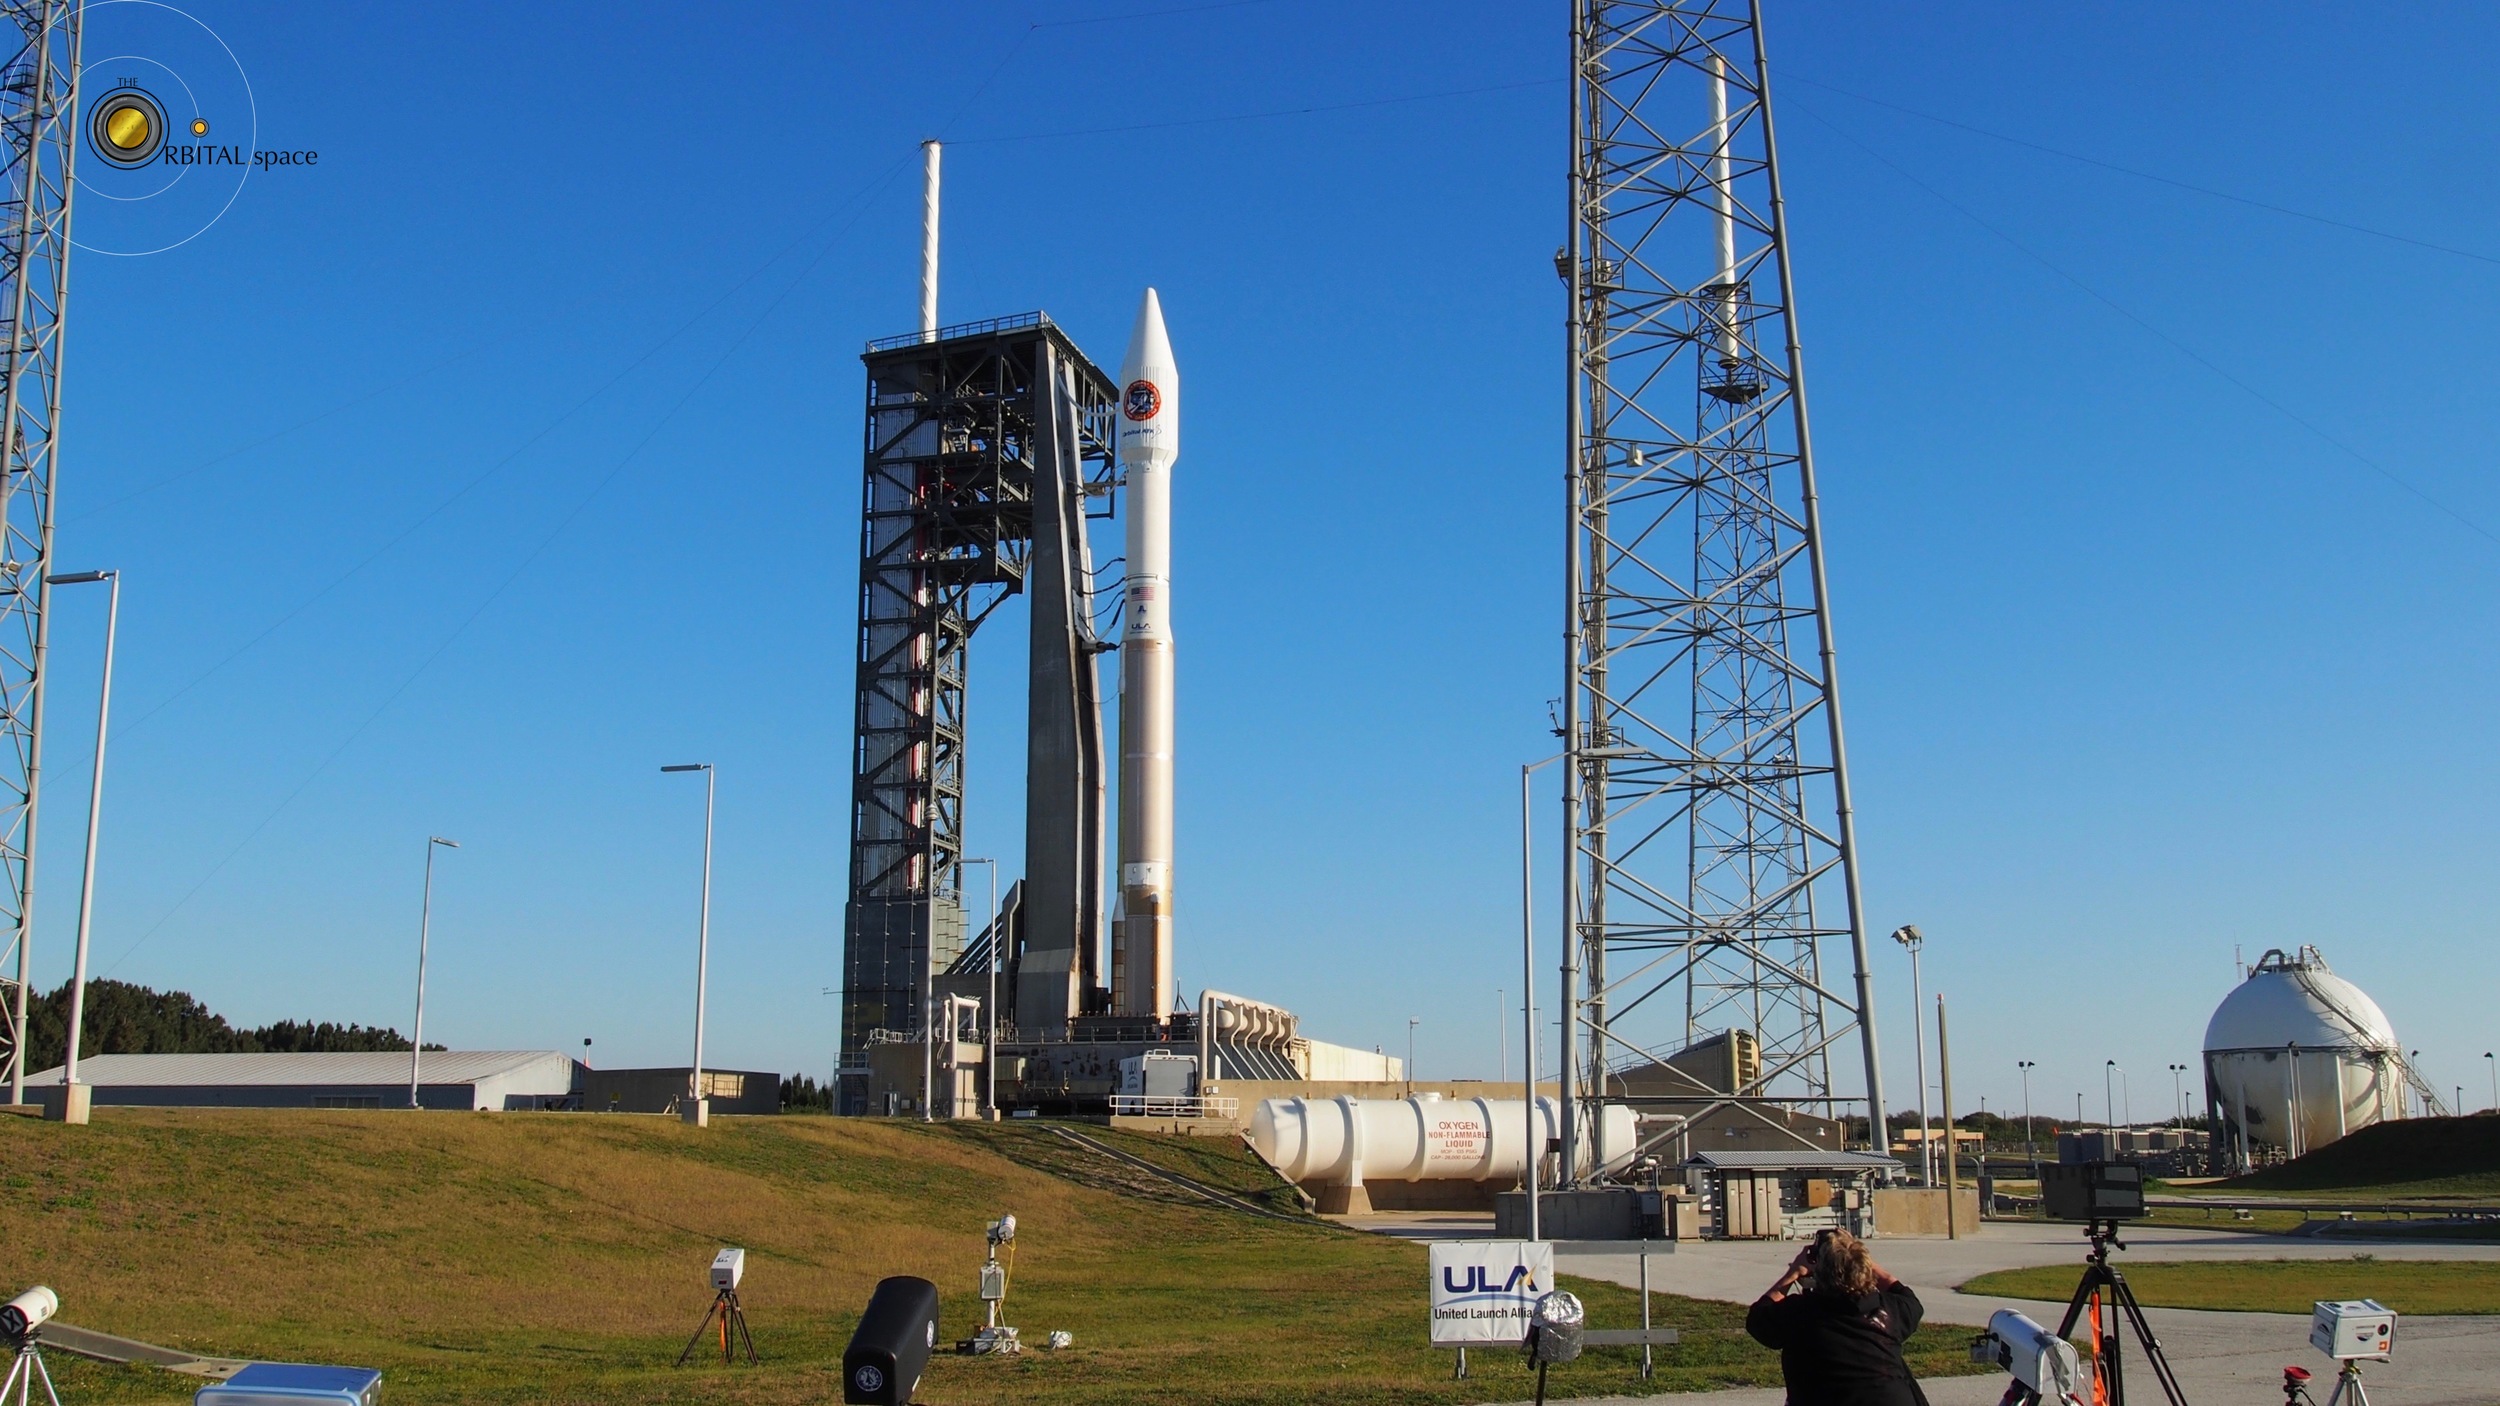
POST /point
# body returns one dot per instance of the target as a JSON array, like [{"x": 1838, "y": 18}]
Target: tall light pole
[
  {"x": 989, "y": 1011},
  {"x": 425, "y": 931},
  {"x": 1952, "y": 1159},
  {"x": 1411, "y": 1022},
  {"x": 2031, "y": 1150},
  {"x": 698, "y": 1109},
  {"x": 2178, "y": 1092},
  {"x": 1534, "y": 1147},
  {"x": 1910, "y": 937},
  {"x": 74, "y": 1095}
]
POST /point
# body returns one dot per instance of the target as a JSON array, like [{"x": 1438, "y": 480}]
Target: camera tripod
[
  {"x": 2104, "y": 1291},
  {"x": 23, "y": 1374},
  {"x": 2348, "y": 1386},
  {"x": 733, "y": 1330}
]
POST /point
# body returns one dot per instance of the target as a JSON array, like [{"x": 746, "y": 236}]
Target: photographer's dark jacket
[{"x": 1842, "y": 1351}]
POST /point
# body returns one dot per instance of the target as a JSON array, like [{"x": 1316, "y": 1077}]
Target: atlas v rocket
[{"x": 1149, "y": 442}]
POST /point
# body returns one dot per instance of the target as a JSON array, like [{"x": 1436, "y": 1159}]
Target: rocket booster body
[{"x": 1149, "y": 442}]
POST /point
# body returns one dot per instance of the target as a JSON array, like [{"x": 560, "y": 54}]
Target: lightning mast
[
  {"x": 38, "y": 126},
  {"x": 1709, "y": 827}
]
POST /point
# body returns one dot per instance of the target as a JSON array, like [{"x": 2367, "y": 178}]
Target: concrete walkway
[{"x": 2223, "y": 1359}]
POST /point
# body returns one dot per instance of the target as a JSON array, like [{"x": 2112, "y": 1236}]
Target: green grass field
[
  {"x": 2276, "y": 1286},
  {"x": 560, "y": 1258}
]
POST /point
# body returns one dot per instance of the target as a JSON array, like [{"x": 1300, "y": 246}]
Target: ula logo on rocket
[{"x": 1142, "y": 401}]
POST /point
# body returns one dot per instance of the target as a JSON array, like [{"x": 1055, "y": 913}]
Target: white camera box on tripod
[{"x": 2353, "y": 1328}]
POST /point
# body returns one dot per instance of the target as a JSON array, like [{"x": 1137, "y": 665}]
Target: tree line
[{"x": 122, "y": 1018}]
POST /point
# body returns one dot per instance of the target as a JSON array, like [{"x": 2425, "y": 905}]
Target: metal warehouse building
[{"x": 483, "y": 1079}]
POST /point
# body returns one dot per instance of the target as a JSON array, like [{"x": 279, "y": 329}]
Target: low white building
[{"x": 494, "y": 1080}]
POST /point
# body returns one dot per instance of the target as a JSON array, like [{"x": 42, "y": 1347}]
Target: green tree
[{"x": 122, "y": 1018}]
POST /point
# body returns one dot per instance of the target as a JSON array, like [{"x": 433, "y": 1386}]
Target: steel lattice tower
[
  {"x": 961, "y": 424},
  {"x": 38, "y": 123},
  {"x": 1707, "y": 791}
]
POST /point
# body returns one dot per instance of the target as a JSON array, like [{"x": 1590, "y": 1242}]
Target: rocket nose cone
[
  {"x": 1150, "y": 390},
  {"x": 1149, "y": 347}
]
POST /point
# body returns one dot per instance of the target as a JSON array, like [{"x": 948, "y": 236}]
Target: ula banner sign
[{"x": 1484, "y": 1290}]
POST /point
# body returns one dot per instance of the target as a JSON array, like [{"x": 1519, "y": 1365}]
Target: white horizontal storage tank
[
  {"x": 1351, "y": 1141},
  {"x": 2296, "y": 1057}
]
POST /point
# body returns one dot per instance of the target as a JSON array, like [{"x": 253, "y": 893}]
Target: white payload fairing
[{"x": 1149, "y": 442}]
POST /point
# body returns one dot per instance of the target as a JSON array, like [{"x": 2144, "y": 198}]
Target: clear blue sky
[{"x": 465, "y": 478}]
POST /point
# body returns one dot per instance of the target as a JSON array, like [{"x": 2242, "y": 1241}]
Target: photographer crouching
[{"x": 1838, "y": 1321}]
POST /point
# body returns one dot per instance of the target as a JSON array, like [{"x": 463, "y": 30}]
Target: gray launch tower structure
[
  {"x": 987, "y": 443},
  {"x": 1709, "y": 828}
]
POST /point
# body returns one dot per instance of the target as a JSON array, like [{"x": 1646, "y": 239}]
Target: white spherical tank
[
  {"x": 1357, "y": 1140},
  {"x": 2296, "y": 1057}
]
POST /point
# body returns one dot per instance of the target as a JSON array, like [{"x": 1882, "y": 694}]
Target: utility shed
[
  {"x": 1786, "y": 1195},
  {"x": 664, "y": 1090},
  {"x": 494, "y": 1080}
]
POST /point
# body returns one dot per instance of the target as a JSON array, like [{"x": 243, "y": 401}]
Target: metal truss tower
[
  {"x": 1707, "y": 792},
  {"x": 38, "y": 127},
  {"x": 964, "y": 425}
]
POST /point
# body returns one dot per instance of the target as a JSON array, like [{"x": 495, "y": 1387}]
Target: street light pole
[
  {"x": 1534, "y": 1147},
  {"x": 2031, "y": 1150},
  {"x": 425, "y": 931},
  {"x": 698, "y": 1109},
  {"x": 2109, "y": 1096},
  {"x": 74, "y": 1095},
  {"x": 1411, "y": 1022},
  {"x": 2178, "y": 1093},
  {"x": 1952, "y": 1164},
  {"x": 1910, "y": 937}
]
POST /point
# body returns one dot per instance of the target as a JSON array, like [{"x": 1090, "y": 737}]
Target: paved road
[{"x": 2223, "y": 1359}]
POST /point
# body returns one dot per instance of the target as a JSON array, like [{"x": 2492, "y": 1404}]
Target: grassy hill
[
  {"x": 2411, "y": 1157},
  {"x": 560, "y": 1258}
]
